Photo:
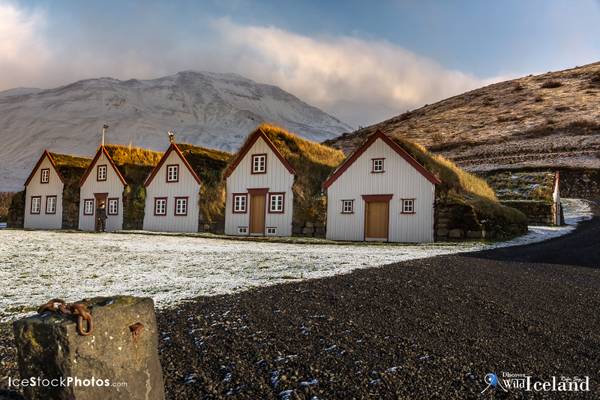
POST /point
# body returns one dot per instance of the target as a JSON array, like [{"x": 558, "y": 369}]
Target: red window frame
[
  {"x": 108, "y": 201},
  {"x": 93, "y": 201},
  {"x": 31, "y": 205},
  {"x": 167, "y": 172},
  {"x": 42, "y": 176},
  {"x": 282, "y": 194},
  {"x": 55, "y": 205},
  {"x": 187, "y": 205},
  {"x": 373, "y": 171},
  {"x": 245, "y": 195},
  {"x": 252, "y": 164},
  {"x": 98, "y": 172},
  {"x": 156, "y": 199}
]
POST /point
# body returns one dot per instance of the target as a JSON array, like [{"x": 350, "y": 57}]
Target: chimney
[{"x": 104, "y": 129}]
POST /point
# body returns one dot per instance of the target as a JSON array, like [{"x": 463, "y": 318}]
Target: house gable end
[
  {"x": 394, "y": 146},
  {"x": 102, "y": 151},
  {"x": 45, "y": 154},
  {"x": 249, "y": 145},
  {"x": 165, "y": 157}
]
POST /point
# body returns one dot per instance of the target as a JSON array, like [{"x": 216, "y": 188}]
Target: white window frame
[
  {"x": 101, "y": 177},
  {"x": 378, "y": 165},
  {"x": 45, "y": 177},
  {"x": 259, "y": 163},
  {"x": 347, "y": 206},
  {"x": 408, "y": 206},
  {"x": 271, "y": 230},
  {"x": 110, "y": 204},
  {"x": 173, "y": 173},
  {"x": 90, "y": 203},
  {"x": 276, "y": 203},
  {"x": 163, "y": 201},
  {"x": 243, "y": 230},
  {"x": 181, "y": 211},
  {"x": 37, "y": 201},
  {"x": 52, "y": 201},
  {"x": 241, "y": 206}
]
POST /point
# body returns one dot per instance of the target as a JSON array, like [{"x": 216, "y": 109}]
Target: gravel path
[{"x": 427, "y": 328}]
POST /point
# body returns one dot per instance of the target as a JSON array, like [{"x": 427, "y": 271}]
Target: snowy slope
[{"x": 215, "y": 110}]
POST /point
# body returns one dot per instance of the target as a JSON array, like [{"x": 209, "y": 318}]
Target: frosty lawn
[{"x": 38, "y": 265}]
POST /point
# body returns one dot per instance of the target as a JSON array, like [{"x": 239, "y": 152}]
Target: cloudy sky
[{"x": 360, "y": 61}]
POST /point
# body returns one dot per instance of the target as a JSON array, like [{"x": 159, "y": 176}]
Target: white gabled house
[
  {"x": 101, "y": 183},
  {"x": 43, "y": 195},
  {"x": 172, "y": 195},
  {"x": 381, "y": 193},
  {"x": 259, "y": 190}
]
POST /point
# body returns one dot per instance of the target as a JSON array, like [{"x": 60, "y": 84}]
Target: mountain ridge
[{"x": 210, "y": 109}]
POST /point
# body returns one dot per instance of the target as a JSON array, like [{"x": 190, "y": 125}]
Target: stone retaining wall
[{"x": 538, "y": 212}]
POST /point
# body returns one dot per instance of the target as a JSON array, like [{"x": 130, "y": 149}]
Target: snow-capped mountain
[{"x": 209, "y": 109}]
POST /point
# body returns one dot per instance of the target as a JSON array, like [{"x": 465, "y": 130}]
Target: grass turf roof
[
  {"x": 209, "y": 165},
  {"x": 461, "y": 187},
  {"x": 453, "y": 178},
  {"x": 298, "y": 151}
]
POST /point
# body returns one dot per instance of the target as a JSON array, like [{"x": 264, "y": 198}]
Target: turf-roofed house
[
  {"x": 273, "y": 184},
  {"x": 52, "y": 192},
  {"x": 381, "y": 193},
  {"x": 116, "y": 178},
  {"x": 390, "y": 189},
  {"x": 183, "y": 192}
]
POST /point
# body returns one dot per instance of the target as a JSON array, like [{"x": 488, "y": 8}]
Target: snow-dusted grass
[{"x": 38, "y": 265}]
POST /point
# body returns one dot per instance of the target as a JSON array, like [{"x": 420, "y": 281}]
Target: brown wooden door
[
  {"x": 377, "y": 220},
  {"x": 257, "y": 213}
]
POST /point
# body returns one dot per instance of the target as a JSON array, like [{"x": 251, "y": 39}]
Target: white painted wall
[
  {"x": 277, "y": 179},
  {"x": 113, "y": 186},
  {"x": 400, "y": 179},
  {"x": 186, "y": 187},
  {"x": 53, "y": 188}
]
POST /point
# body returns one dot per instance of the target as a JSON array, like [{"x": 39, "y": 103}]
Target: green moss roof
[
  {"x": 301, "y": 153},
  {"x": 134, "y": 163},
  {"x": 453, "y": 177},
  {"x": 209, "y": 165},
  {"x": 461, "y": 187},
  {"x": 71, "y": 168}
]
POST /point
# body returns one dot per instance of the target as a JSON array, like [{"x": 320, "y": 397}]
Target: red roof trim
[
  {"x": 172, "y": 147},
  {"x": 100, "y": 151},
  {"x": 248, "y": 145},
  {"x": 45, "y": 154},
  {"x": 395, "y": 146}
]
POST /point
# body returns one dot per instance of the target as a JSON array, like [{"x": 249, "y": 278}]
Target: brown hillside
[{"x": 551, "y": 119}]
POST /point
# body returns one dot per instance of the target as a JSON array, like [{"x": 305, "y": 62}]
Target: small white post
[{"x": 104, "y": 129}]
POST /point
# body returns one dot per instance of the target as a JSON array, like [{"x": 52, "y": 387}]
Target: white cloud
[
  {"x": 22, "y": 48},
  {"x": 362, "y": 80}
]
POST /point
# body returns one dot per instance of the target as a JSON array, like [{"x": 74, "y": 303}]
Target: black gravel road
[{"x": 421, "y": 329}]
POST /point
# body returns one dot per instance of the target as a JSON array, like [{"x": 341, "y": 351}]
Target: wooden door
[
  {"x": 257, "y": 213},
  {"x": 377, "y": 220}
]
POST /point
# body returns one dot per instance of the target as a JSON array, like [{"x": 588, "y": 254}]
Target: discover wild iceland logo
[{"x": 508, "y": 382}]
